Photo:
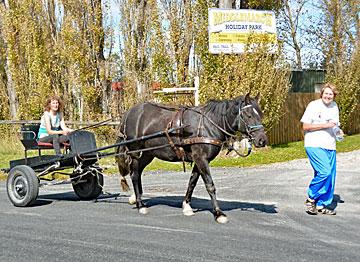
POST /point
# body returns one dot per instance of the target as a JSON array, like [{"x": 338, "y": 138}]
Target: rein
[
  {"x": 212, "y": 122},
  {"x": 94, "y": 125},
  {"x": 194, "y": 140},
  {"x": 248, "y": 128}
]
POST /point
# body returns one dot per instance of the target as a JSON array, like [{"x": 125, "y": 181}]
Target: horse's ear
[
  {"x": 247, "y": 98},
  {"x": 257, "y": 97}
]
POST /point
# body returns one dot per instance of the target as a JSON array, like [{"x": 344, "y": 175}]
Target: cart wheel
[
  {"x": 89, "y": 187},
  {"x": 22, "y": 186}
]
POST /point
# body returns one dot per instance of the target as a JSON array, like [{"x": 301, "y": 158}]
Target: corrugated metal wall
[{"x": 305, "y": 81}]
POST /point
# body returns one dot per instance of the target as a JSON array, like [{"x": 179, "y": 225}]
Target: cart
[{"x": 27, "y": 175}]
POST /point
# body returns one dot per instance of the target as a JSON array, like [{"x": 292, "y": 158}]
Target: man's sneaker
[
  {"x": 311, "y": 206},
  {"x": 326, "y": 211}
]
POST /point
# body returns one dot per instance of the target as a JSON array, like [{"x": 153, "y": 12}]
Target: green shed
[{"x": 307, "y": 80}]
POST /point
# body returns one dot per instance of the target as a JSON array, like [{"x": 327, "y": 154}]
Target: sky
[{"x": 113, "y": 20}]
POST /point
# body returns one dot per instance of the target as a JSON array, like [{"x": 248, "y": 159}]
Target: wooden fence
[{"x": 289, "y": 128}]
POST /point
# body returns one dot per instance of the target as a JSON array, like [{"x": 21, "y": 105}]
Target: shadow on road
[
  {"x": 68, "y": 196},
  {"x": 200, "y": 204},
  {"x": 337, "y": 199}
]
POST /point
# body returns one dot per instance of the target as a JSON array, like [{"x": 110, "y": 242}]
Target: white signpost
[
  {"x": 180, "y": 90},
  {"x": 229, "y": 29}
]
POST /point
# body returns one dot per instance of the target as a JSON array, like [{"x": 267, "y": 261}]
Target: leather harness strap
[
  {"x": 177, "y": 120},
  {"x": 201, "y": 140},
  {"x": 179, "y": 151},
  {"x": 178, "y": 146}
]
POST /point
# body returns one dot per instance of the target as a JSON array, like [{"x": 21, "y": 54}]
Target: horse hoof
[
  {"x": 143, "y": 210},
  {"x": 132, "y": 200},
  {"x": 187, "y": 210},
  {"x": 188, "y": 213},
  {"x": 222, "y": 219}
]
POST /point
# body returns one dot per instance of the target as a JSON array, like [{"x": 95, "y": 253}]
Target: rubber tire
[
  {"x": 22, "y": 186},
  {"x": 90, "y": 189}
]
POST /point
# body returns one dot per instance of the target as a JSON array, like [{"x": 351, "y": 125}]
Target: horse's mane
[
  {"x": 216, "y": 107},
  {"x": 219, "y": 107}
]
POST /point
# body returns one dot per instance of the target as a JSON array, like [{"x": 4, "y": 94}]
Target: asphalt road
[{"x": 265, "y": 206}]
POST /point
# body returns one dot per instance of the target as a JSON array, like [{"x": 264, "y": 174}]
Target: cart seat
[{"x": 28, "y": 138}]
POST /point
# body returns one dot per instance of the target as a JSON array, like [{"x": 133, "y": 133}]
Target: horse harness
[{"x": 177, "y": 121}]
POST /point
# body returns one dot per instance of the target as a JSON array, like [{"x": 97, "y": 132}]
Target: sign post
[{"x": 230, "y": 29}]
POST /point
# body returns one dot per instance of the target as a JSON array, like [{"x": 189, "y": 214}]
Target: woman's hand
[
  {"x": 67, "y": 131},
  {"x": 331, "y": 124},
  {"x": 314, "y": 127}
]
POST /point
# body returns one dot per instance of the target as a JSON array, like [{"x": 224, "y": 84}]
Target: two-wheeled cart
[{"x": 27, "y": 175}]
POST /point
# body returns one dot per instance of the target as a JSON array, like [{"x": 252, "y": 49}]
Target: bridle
[{"x": 249, "y": 129}]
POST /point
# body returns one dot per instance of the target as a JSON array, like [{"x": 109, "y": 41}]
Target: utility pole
[
  {"x": 226, "y": 4},
  {"x": 229, "y": 4}
]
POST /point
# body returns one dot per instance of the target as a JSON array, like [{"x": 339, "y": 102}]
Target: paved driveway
[{"x": 265, "y": 206}]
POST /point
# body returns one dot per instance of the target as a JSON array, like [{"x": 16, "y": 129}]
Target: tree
[
  {"x": 256, "y": 71},
  {"x": 157, "y": 42},
  {"x": 6, "y": 32},
  {"x": 338, "y": 34},
  {"x": 135, "y": 29},
  {"x": 290, "y": 28},
  {"x": 179, "y": 14},
  {"x": 56, "y": 47}
]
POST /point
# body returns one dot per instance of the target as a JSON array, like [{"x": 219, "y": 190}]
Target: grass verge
[{"x": 11, "y": 149}]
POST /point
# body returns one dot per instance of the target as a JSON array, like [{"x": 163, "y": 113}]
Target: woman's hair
[
  {"x": 57, "y": 98},
  {"x": 328, "y": 85}
]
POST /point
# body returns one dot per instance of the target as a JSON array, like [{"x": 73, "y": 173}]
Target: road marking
[
  {"x": 57, "y": 239},
  {"x": 21, "y": 213},
  {"x": 167, "y": 229}
]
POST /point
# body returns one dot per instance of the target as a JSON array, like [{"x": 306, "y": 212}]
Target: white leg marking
[
  {"x": 222, "y": 220},
  {"x": 187, "y": 210},
  {"x": 143, "y": 210},
  {"x": 132, "y": 199}
]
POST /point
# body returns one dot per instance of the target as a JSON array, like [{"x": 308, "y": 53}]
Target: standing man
[{"x": 321, "y": 127}]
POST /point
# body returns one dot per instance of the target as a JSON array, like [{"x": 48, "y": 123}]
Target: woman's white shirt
[
  {"x": 318, "y": 113},
  {"x": 54, "y": 122}
]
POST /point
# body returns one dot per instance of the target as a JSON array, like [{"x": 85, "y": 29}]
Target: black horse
[{"x": 205, "y": 129}]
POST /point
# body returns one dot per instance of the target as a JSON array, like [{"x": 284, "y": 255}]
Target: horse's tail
[{"x": 123, "y": 160}]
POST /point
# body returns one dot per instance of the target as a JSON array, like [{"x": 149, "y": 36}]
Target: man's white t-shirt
[{"x": 318, "y": 113}]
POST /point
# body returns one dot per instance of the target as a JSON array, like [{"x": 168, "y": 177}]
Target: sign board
[{"x": 229, "y": 29}]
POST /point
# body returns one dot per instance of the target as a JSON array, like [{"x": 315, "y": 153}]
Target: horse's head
[{"x": 248, "y": 119}]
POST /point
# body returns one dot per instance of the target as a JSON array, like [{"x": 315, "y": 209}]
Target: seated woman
[{"x": 52, "y": 128}]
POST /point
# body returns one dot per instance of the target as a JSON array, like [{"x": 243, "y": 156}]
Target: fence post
[{"x": 196, "y": 85}]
